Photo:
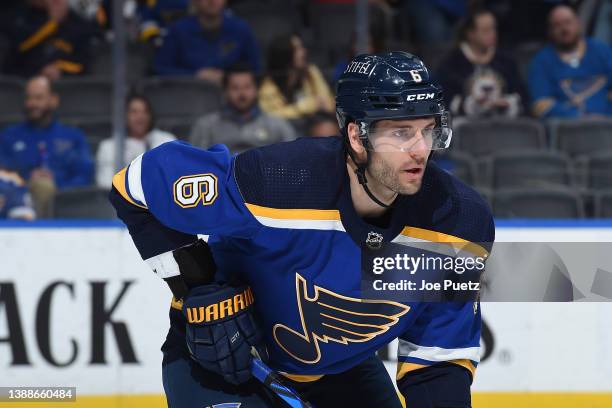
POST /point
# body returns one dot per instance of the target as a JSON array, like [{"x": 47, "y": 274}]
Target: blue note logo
[{"x": 328, "y": 316}]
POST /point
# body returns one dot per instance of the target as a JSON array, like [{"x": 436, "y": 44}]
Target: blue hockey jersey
[{"x": 282, "y": 217}]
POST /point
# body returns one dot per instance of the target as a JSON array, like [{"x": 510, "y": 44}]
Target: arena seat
[
  {"x": 181, "y": 98},
  {"x": 581, "y": 137},
  {"x": 84, "y": 97},
  {"x": 529, "y": 169},
  {"x": 538, "y": 203},
  {"x": 269, "y": 19},
  {"x": 599, "y": 171},
  {"x": 481, "y": 137},
  {"x": 603, "y": 204}
]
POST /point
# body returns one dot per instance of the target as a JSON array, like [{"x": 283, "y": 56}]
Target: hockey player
[{"x": 289, "y": 221}]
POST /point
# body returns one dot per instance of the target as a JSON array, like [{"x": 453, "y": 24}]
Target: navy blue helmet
[{"x": 395, "y": 85}]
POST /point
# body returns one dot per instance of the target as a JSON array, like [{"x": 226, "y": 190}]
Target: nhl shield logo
[{"x": 374, "y": 240}]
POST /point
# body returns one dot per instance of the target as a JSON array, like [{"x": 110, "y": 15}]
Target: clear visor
[{"x": 409, "y": 139}]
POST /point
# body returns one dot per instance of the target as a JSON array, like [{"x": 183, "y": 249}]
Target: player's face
[
  {"x": 40, "y": 102},
  {"x": 401, "y": 171},
  {"x": 241, "y": 91},
  {"x": 564, "y": 27}
]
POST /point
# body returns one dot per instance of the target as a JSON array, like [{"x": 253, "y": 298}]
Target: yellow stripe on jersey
[
  {"x": 293, "y": 213},
  {"x": 119, "y": 183},
  {"x": 434, "y": 236},
  {"x": 39, "y": 36},
  {"x": 302, "y": 378}
]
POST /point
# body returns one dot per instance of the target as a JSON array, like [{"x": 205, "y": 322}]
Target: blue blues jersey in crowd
[
  {"x": 567, "y": 90},
  {"x": 60, "y": 148},
  {"x": 187, "y": 47},
  {"x": 282, "y": 217},
  {"x": 15, "y": 200}
]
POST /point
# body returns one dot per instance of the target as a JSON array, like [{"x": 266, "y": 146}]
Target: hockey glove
[{"x": 221, "y": 330}]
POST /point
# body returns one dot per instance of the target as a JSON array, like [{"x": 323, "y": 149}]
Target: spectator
[
  {"x": 323, "y": 124},
  {"x": 141, "y": 136},
  {"x": 47, "y": 38},
  {"x": 15, "y": 202},
  {"x": 293, "y": 88},
  {"x": 240, "y": 124},
  {"x": 478, "y": 79},
  {"x": 207, "y": 43},
  {"x": 44, "y": 152},
  {"x": 572, "y": 77}
]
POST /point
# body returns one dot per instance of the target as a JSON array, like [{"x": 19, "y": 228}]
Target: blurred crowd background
[{"x": 528, "y": 83}]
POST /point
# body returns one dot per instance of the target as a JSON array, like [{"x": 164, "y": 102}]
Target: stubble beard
[{"x": 389, "y": 177}]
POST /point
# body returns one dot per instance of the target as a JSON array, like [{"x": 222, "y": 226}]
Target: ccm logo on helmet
[{"x": 421, "y": 97}]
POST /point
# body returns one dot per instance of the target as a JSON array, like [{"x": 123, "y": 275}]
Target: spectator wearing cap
[
  {"x": 293, "y": 88},
  {"x": 571, "y": 77},
  {"x": 240, "y": 124},
  {"x": 46, "y": 153},
  {"x": 206, "y": 44},
  {"x": 15, "y": 202},
  {"x": 478, "y": 79},
  {"x": 141, "y": 136},
  {"x": 47, "y": 38}
]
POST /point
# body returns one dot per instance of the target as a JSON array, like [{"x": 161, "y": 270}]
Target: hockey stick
[{"x": 271, "y": 379}]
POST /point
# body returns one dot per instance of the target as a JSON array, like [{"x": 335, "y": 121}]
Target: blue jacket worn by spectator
[
  {"x": 572, "y": 89},
  {"x": 188, "y": 47},
  {"x": 60, "y": 148},
  {"x": 15, "y": 202}
]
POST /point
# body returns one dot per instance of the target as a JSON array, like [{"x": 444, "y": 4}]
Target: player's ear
[{"x": 353, "y": 135}]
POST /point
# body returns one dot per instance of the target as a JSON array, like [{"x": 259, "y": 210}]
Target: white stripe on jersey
[
  {"x": 437, "y": 354},
  {"x": 327, "y": 225},
  {"x": 134, "y": 180}
]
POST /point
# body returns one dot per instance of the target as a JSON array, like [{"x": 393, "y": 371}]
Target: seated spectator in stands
[
  {"x": 207, "y": 43},
  {"x": 240, "y": 124},
  {"x": 44, "y": 152},
  {"x": 141, "y": 136},
  {"x": 478, "y": 79},
  {"x": 293, "y": 88},
  {"x": 571, "y": 77},
  {"x": 15, "y": 201},
  {"x": 156, "y": 16},
  {"x": 47, "y": 38},
  {"x": 323, "y": 124}
]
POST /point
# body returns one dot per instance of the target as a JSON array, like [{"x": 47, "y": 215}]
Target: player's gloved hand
[{"x": 221, "y": 330}]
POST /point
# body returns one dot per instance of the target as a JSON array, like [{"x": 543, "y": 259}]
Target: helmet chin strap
[
  {"x": 360, "y": 172},
  {"x": 361, "y": 177}
]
